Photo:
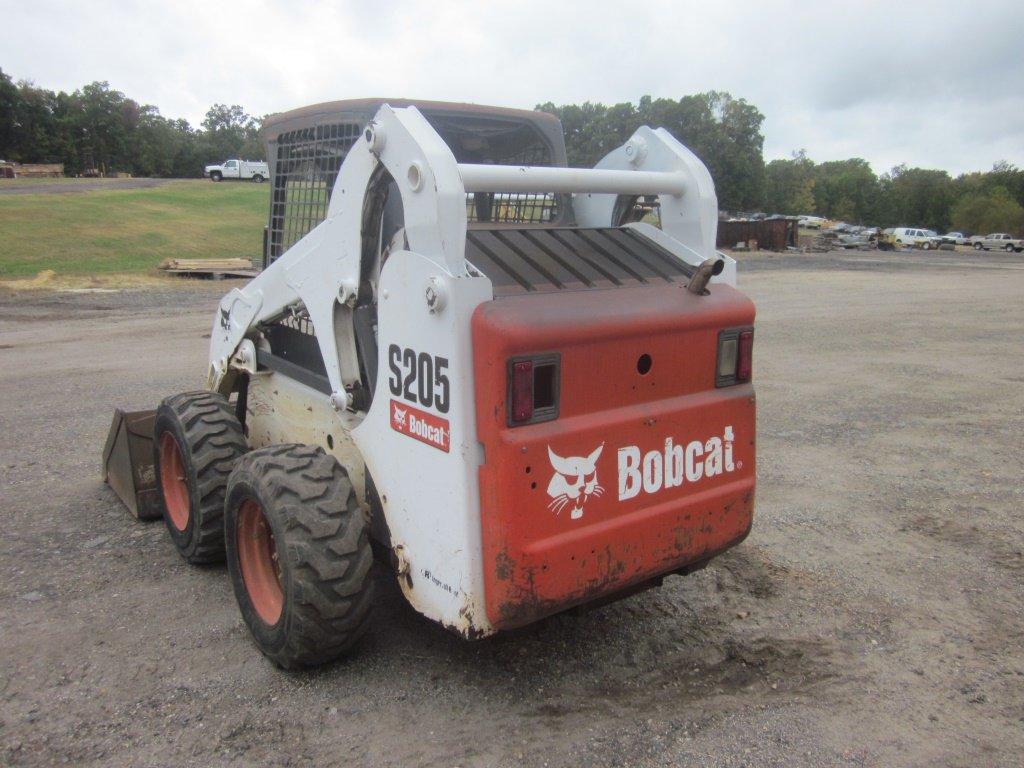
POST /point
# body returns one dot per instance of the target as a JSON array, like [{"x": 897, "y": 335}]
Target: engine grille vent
[{"x": 526, "y": 260}]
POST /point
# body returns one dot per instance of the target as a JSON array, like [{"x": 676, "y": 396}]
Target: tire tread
[
  {"x": 214, "y": 441},
  {"x": 327, "y": 546}
]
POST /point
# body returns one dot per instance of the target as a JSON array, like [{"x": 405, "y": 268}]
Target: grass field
[{"x": 110, "y": 231}]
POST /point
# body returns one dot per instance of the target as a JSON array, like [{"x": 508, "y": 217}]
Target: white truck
[
  {"x": 999, "y": 241},
  {"x": 256, "y": 170}
]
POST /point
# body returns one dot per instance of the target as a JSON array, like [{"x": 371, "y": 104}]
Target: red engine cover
[{"x": 640, "y": 474}]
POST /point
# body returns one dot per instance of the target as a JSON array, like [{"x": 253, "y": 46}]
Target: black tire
[
  {"x": 257, "y": 178},
  {"x": 926, "y": 245},
  {"x": 196, "y": 441},
  {"x": 1009, "y": 248},
  {"x": 216, "y": 176},
  {"x": 978, "y": 246},
  {"x": 318, "y": 549}
]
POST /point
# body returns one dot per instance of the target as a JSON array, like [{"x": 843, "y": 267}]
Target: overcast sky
[{"x": 935, "y": 84}]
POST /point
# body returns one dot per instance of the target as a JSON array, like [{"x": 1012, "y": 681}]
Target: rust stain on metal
[
  {"x": 402, "y": 568},
  {"x": 504, "y": 566}
]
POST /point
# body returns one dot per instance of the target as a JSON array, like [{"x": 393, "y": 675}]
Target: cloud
[{"x": 936, "y": 84}]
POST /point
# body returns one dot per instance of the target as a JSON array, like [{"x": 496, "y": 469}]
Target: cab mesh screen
[
  {"x": 306, "y": 167},
  {"x": 308, "y": 161}
]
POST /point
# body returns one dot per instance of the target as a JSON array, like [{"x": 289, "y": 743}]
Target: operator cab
[{"x": 305, "y": 150}]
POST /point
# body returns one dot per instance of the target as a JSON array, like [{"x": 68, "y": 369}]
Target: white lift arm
[{"x": 321, "y": 272}]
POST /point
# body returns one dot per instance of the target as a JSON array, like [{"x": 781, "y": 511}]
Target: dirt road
[
  {"x": 873, "y": 616},
  {"x": 58, "y": 186}
]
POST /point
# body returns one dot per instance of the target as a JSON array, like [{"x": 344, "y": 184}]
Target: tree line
[
  {"x": 722, "y": 131},
  {"x": 725, "y": 133},
  {"x": 99, "y": 127},
  {"x": 849, "y": 190}
]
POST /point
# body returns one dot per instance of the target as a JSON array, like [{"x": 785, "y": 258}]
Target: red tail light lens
[
  {"x": 522, "y": 391},
  {"x": 534, "y": 384},
  {"x": 735, "y": 356},
  {"x": 745, "y": 359}
]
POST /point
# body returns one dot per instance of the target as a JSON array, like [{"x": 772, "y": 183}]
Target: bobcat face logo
[
  {"x": 400, "y": 414},
  {"x": 574, "y": 481}
]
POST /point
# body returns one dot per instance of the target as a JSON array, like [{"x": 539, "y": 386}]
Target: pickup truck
[
  {"x": 999, "y": 241},
  {"x": 257, "y": 170}
]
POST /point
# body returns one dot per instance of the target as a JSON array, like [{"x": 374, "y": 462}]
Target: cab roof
[{"x": 363, "y": 110}]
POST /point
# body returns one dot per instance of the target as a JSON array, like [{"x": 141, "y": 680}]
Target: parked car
[
  {"x": 956, "y": 238},
  {"x": 916, "y": 238},
  {"x": 242, "y": 170},
  {"x": 1000, "y": 241},
  {"x": 854, "y": 240},
  {"x": 810, "y": 222},
  {"x": 841, "y": 227}
]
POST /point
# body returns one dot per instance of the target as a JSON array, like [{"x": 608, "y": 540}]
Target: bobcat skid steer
[{"x": 526, "y": 413}]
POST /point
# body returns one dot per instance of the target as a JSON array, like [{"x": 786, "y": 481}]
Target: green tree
[
  {"x": 723, "y": 131},
  {"x": 982, "y": 213},
  {"x": 846, "y": 190},
  {"x": 37, "y": 134},
  {"x": 105, "y": 119},
  {"x": 230, "y": 132},
  {"x": 1003, "y": 175},
  {"x": 917, "y": 197},
  {"x": 789, "y": 185},
  {"x": 9, "y": 105}
]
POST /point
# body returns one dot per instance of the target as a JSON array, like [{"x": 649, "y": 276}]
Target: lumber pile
[
  {"x": 38, "y": 170},
  {"x": 215, "y": 268}
]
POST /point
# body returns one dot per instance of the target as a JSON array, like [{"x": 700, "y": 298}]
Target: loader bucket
[{"x": 128, "y": 462}]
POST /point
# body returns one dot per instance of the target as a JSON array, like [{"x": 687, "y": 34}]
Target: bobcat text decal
[
  {"x": 425, "y": 427},
  {"x": 575, "y": 478},
  {"x": 676, "y": 466}
]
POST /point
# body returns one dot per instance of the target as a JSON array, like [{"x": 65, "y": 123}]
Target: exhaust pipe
[{"x": 699, "y": 282}]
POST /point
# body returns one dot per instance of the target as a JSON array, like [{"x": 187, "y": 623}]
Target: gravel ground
[{"x": 873, "y": 616}]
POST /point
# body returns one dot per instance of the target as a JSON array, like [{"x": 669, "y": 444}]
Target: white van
[{"x": 917, "y": 238}]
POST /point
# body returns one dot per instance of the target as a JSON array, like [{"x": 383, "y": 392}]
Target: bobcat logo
[
  {"x": 400, "y": 414},
  {"x": 575, "y": 481}
]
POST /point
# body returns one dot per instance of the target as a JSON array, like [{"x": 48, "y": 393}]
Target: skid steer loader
[{"x": 492, "y": 374}]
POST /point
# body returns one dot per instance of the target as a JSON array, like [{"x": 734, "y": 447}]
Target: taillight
[
  {"x": 533, "y": 388},
  {"x": 745, "y": 362},
  {"x": 735, "y": 356},
  {"x": 522, "y": 391}
]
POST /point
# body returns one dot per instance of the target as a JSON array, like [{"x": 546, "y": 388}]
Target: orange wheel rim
[
  {"x": 257, "y": 557},
  {"x": 174, "y": 481}
]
